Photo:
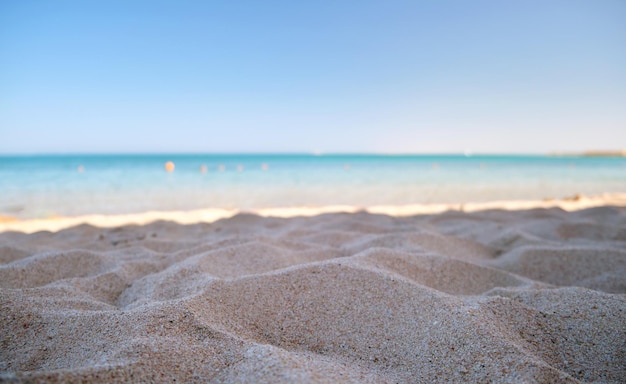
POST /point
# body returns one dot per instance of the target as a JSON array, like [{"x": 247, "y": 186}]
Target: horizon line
[
  {"x": 616, "y": 153},
  {"x": 285, "y": 153}
]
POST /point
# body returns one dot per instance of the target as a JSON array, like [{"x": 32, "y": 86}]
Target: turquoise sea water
[{"x": 43, "y": 186}]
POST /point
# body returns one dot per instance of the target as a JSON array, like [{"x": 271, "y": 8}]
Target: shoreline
[{"x": 209, "y": 215}]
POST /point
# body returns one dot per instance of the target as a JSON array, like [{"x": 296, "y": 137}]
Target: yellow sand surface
[{"x": 536, "y": 294}]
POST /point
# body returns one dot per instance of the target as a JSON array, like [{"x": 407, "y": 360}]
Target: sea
[{"x": 45, "y": 186}]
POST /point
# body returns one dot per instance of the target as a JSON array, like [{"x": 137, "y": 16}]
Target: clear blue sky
[{"x": 303, "y": 76}]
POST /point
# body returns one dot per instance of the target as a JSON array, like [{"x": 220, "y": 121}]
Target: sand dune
[{"x": 528, "y": 296}]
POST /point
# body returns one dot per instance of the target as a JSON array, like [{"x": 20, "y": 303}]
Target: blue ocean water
[{"x": 45, "y": 186}]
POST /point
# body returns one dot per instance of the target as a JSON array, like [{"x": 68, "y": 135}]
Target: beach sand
[{"x": 533, "y": 295}]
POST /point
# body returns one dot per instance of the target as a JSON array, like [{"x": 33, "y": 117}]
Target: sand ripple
[{"x": 537, "y": 295}]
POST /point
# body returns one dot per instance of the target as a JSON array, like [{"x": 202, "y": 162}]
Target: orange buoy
[{"x": 169, "y": 166}]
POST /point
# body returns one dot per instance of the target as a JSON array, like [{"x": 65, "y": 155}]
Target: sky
[{"x": 363, "y": 76}]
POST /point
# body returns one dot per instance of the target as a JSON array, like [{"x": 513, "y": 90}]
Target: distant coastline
[
  {"x": 592, "y": 153},
  {"x": 621, "y": 153}
]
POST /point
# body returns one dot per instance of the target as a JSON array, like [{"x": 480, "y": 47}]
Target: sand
[{"x": 534, "y": 295}]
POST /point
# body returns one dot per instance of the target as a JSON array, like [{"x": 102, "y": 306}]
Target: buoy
[
  {"x": 203, "y": 168},
  {"x": 169, "y": 166}
]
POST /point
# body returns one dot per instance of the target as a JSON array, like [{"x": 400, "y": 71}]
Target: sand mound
[{"x": 535, "y": 295}]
